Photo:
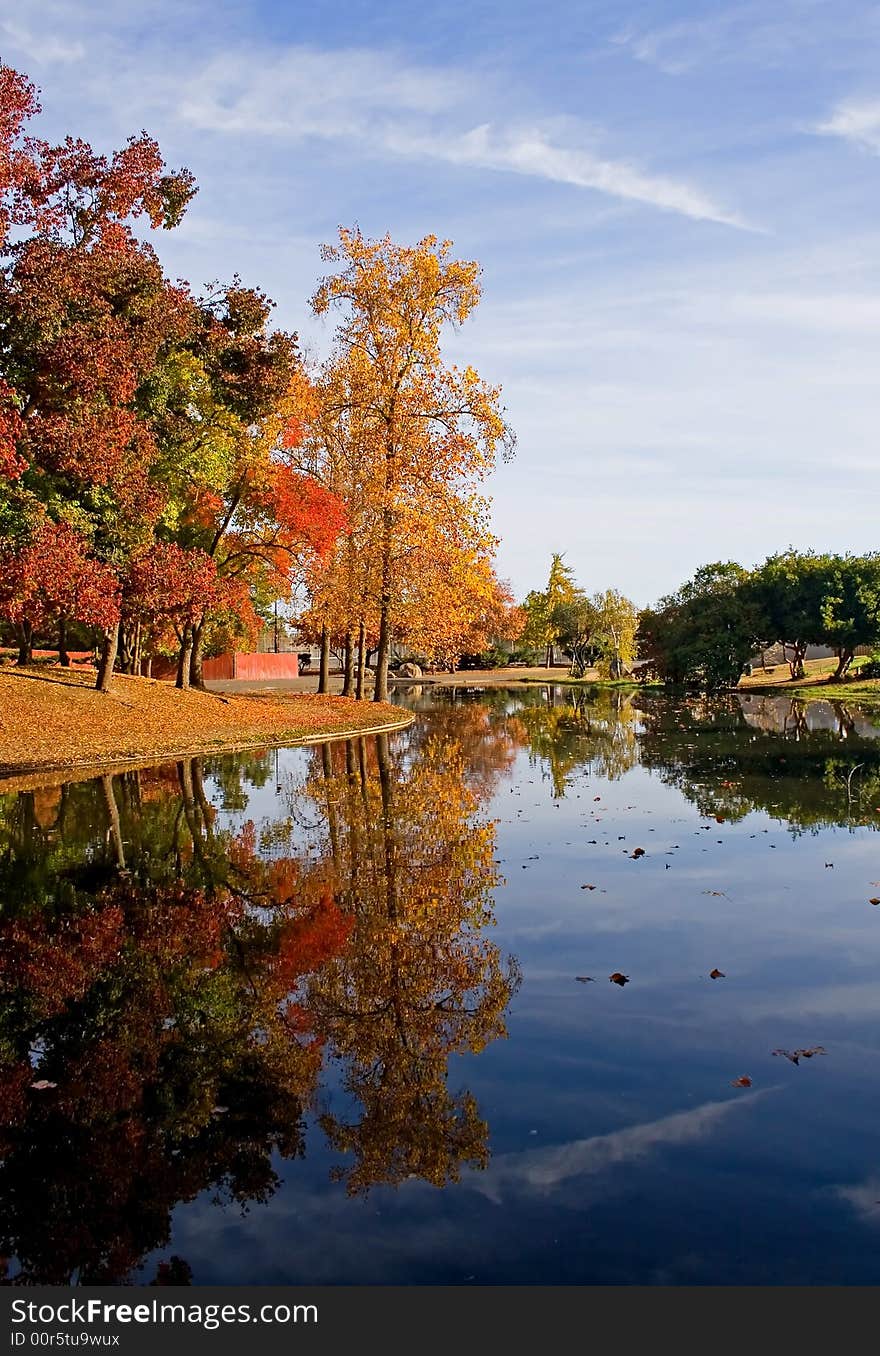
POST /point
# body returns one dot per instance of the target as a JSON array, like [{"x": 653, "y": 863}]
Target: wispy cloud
[
  {"x": 530, "y": 151},
  {"x": 855, "y": 120},
  {"x": 542, "y": 1171},
  {"x": 864, "y": 1197},
  {"x": 754, "y": 33},
  {"x": 42, "y": 48},
  {"x": 378, "y": 101}
]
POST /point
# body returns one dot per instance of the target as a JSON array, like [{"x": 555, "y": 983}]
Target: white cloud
[
  {"x": 757, "y": 34},
  {"x": 543, "y": 1171},
  {"x": 864, "y": 1198},
  {"x": 42, "y": 48},
  {"x": 377, "y": 101},
  {"x": 529, "y": 151},
  {"x": 304, "y": 91},
  {"x": 857, "y": 121}
]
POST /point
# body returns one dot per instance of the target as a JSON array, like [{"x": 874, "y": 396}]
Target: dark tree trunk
[
  {"x": 109, "y": 646},
  {"x": 25, "y": 643},
  {"x": 124, "y": 653},
  {"x": 183, "y": 659},
  {"x": 361, "y": 661},
  {"x": 196, "y": 676},
  {"x": 348, "y": 681},
  {"x": 796, "y": 663},
  {"x": 63, "y": 656},
  {"x": 844, "y": 659},
  {"x": 324, "y": 674}
]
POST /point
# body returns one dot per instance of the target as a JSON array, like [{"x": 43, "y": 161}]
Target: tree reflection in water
[
  {"x": 183, "y": 990},
  {"x": 171, "y": 990}
]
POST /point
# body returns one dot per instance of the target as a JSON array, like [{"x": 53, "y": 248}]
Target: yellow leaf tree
[{"x": 431, "y": 430}]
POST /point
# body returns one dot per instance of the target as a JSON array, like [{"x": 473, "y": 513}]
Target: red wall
[
  {"x": 221, "y": 667},
  {"x": 253, "y": 667}
]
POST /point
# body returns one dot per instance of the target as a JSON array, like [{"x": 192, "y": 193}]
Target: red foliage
[
  {"x": 308, "y": 942},
  {"x": 52, "y": 575},
  {"x": 57, "y": 960},
  {"x": 166, "y": 582},
  {"x": 307, "y": 514},
  {"x": 11, "y": 464}
]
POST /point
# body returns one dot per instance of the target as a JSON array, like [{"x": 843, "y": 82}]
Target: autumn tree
[
  {"x": 434, "y": 428},
  {"x": 52, "y": 577},
  {"x": 545, "y": 609},
  {"x": 616, "y": 621},
  {"x": 85, "y": 313}
]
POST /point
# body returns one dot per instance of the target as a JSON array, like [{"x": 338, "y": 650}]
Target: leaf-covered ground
[{"x": 54, "y": 719}]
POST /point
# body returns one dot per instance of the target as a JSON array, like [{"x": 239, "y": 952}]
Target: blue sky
[{"x": 675, "y": 206}]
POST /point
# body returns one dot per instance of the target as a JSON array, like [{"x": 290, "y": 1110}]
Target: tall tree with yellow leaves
[{"x": 432, "y": 429}]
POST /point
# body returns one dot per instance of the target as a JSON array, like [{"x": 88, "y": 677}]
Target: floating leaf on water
[
  {"x": 637, "y": 852},
  {"x": 618, "y": 978},
  {"x": 743, "y": 1082},
  {"x": 588, "y": 887},
  {"x": 717, "y": 974},
  {"x": 585, "y": 979}
]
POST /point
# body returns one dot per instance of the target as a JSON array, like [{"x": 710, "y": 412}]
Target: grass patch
[{"x": 52, "y": 718}]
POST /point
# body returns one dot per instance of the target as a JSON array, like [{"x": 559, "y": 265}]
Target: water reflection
[
  {"x": 172, "y": 989},
  {"x": 222, "y": 976}
]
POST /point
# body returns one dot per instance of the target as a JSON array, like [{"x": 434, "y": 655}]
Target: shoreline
[{"x": 55, "y": 728}]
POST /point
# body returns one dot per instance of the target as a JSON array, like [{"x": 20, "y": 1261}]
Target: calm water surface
[{"x": 344, "y": 1014}]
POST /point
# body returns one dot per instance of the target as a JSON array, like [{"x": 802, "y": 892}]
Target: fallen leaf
[
  {"x": 744, "y": 1082},
  {"x": 717, "y": 974},
  {"x": 618, "y": 978},
  {"x": 637, "y": 852},
  {"x": 588, "y": 887},
  {"x": 585, "y": 979}
]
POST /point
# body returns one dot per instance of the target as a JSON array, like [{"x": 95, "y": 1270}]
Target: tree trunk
[
  {"x": 348, "y": 682},
  {"x": 380, "y": 690},
  {"x": 844, "y": 659},
  {"x": 124, "y": 651},
  {"x": 109, "y": 646},
  {"x": 549, "y": 660},
  {"x": 63, "y": 656},
  {"x": 25, "y": 643},
  {"x": 183, "y": 659},
  {"x": 361, "y": 661},
  {"x": 796, "y": 663},
  {"x": 324, "y": 673},
  {"x": 196, "y": 676},
  {"x": 136, "y": 648},
  {"x": 113, "y": 817}
]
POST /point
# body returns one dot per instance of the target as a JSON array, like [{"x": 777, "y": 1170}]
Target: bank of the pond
[
  {"x": 815, "y": 685},
  {"x": 53, "y": 720},
  {"x": 518, "y": 676}
]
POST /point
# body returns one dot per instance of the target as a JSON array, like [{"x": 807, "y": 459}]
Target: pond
[{"x": 344, "y": 1014}]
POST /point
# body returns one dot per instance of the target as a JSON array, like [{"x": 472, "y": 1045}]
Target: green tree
[
  {"x": 787, "y": 590},
  {"x": 850, "y": 606},
  {"x": 704, "y": 633},
  {"x": 546, "y": 614}
]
